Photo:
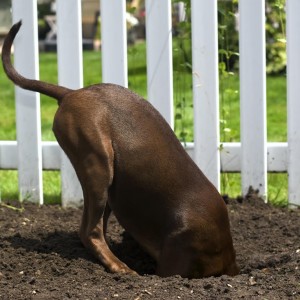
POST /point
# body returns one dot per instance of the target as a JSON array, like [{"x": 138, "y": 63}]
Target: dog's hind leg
[
  {"x": 95, "y": 174},
  {"x": 91, "y": 153},
  {"x": 89, "y": 148}
]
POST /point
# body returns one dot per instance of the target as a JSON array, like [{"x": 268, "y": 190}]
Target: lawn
[{"x": 229, "y": 112}]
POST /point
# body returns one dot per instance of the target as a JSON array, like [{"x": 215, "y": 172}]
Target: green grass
[
  {"x": 137, "y": 81},
  {"x": 51, "y": 179}
]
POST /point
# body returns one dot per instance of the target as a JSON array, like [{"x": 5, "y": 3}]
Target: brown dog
[{"x": 128, "y": 160}]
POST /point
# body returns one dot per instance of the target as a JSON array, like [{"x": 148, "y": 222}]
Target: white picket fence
[{"x": 253, "y": 157}]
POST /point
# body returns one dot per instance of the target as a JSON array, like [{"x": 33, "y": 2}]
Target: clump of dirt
[{"x": 41, "y": 257}]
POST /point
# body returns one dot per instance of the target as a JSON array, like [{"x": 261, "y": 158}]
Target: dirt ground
[{"x": 41, "y": 257}]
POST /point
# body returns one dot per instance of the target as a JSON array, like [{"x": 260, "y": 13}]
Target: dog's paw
[{"x": 121, "y": 269}]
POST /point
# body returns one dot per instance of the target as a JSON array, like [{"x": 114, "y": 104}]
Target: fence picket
[
  {"x": 159, "y": 57},
  {"x": 206, "y": 88},
  {"x": 253, "y": 95},
  {"x": 114, "y": 42},
  {"x": 293, "y": 92},
  {"x": 70, "y": 74},
  {"x": 28, "y": 104}
]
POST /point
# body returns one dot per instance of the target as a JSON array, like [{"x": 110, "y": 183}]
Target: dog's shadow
[
  {"x": 129, "y": 251},
  {"x": 68, "y": 246}
]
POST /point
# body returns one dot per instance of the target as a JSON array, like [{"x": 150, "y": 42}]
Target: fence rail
[{"x": 253, "y": 157}]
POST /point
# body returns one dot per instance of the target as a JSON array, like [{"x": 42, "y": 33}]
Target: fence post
[
  {"x": 70, "y": 74},
  {"x": 114, "y": 42},
  {"x": 253, "y": 95},
  {"x": 159, "y": 57},
  {"x": 293, "y": 92},
  {"x": 28, "y": 104},
  {"x": 206, "y": 88}
]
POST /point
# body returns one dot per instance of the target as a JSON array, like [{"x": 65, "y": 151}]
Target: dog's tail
[{"x": 52, "y": 90}]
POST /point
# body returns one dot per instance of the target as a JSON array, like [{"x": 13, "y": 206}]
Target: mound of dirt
[{"x": 41, "y": 257}]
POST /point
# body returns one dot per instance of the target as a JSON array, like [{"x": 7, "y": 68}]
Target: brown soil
[{"x": 41, "y": 257}]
